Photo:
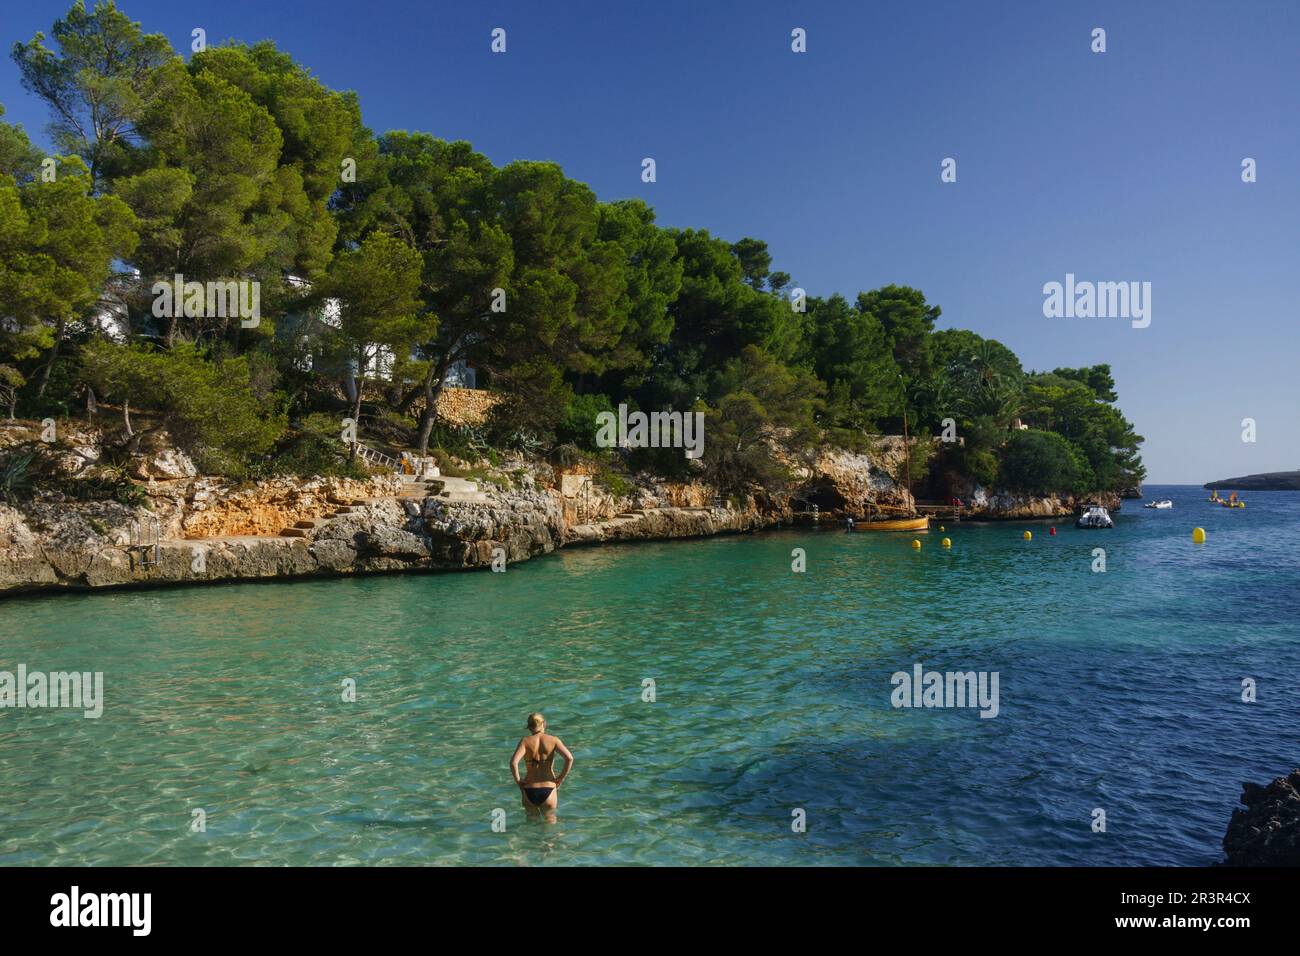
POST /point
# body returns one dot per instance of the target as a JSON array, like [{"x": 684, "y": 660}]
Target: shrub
[
  {"x": 313, "y": 448},
  {"x": 210, "y": 407},
  {"x": 16, "y": 475},
  {"x": 445, "y": 465},
  {"x": 981, "y": 466},
  {"x": 578, "y": 427},
  {"x": 617, "y": 485},
  {"x": 1041, "y": 463}
]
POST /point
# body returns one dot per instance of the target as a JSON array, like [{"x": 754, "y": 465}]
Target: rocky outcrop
[
  {"x": 844, "y": 484},
  {"x": 167, "y": 464},
  {"x": 217, "y": 508},
  {"x": 522, "y": 524},
  {"x": 655, "y": 524},
  {"x": 841, "y": 483},
  {"x": 212, "y": 529},
  {"x": 1265, "y": 831},
  {"x": 90, "y": 545},
  {"x": 1003, "y": 505}
]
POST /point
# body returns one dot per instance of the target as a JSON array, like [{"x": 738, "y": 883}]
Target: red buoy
[{"x": 1052, "y": 531}]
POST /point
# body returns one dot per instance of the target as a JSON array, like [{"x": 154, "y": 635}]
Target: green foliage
[
  {"x": 208, "y": 185},
  {"x": 765, "y": 413},
  {"x": 377, "y": 286},
  {"x": 907, "y": 320},
  {"x": 30, "y": 467},
  {"x": 849, "y": 351},
  {"x": 640, "y": 320},
  {"x": 1076, "y": 407},
  {"x": 717, "y": 313},
  {"x": 980, "y": 465},
  {"x": 57, "y": 241},
  {"x": 318, "y": 128},
  {"x": 445, "y": 464},
  {"x": 615, "y": 483},
  {"x": 314, "y": 447},
  {"x": 919, "y": 455},
  {"x": 463, "y": 441},
  {"x": 16, "y": 474},
  {"x": 18, "y": 157},
  {"x": 534, "y": 398},
  {"x": 99, "y": 81},
  {"x": 1042, "y": 463},
  {"x": 63, "y": 395},
  {"x": 208, "y": 406},
  {"x": 578, "y": 427}
]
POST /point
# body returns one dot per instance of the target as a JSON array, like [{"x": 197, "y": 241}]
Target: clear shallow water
[{"x": 1119, "y": 690}]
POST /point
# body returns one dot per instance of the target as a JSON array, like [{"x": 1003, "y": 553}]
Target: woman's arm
[
  {"x": 514, "y": 763},
  {"x": 568, "y": 761}
]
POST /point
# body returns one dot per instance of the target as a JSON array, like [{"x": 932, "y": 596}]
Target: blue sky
[{"x": 1117, "y": 166}]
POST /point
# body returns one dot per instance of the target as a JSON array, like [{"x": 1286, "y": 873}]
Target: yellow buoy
[
  {"x": 947, "y": 542},
  {"x": 1028, "y": 536},
  {"x": 941, "y": 528},
  {"x": 1198, "y": 535},
  {"x": 916, "y": 544}
]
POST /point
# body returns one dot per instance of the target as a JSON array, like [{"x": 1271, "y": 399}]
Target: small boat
[
  {"x": 908, "y": 521},
  {"x": 894, "y": 524},
  {"x": 1232, "y": 502},
  {"x": 1095, "y": 517},
  {"x": 1162, "y": 503}
]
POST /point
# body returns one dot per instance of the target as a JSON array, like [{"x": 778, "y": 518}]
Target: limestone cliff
[{"x": 191, "y": 528}]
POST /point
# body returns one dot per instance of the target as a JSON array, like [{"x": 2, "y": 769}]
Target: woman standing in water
[{"x": 540, "y": 788}]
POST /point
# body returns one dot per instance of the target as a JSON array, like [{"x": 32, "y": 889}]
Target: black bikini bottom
[{"x": 538, "y": 795}]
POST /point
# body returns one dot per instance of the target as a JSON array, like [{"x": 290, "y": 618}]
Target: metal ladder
[
  {"x": 377, "y": 458},
  {"x": 145, "y": 548}
]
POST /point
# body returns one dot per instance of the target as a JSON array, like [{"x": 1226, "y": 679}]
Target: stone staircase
[
  {"x": 419, "y": 487},
  {"x": 609, "y": 529},
  {"x": 457, "y": 489},
  {"x": 304, "y": 528}
]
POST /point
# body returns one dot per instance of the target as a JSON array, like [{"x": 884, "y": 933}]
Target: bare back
[{"x": 539, "y": 757}]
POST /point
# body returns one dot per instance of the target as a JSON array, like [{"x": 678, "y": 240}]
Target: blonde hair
[{"x": 536, "y": 722}]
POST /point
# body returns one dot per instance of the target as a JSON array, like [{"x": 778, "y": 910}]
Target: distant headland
[{"x": 1269, "y": 481}]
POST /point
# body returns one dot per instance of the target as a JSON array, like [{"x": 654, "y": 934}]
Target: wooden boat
[
  {"x": 894, "y": 524},
  {"x": 908, "y": 520}
]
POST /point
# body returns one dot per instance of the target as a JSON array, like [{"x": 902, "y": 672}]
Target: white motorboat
[
  {"x": 1162, "y": 503},
  {"x": 1095, "y": 517}
]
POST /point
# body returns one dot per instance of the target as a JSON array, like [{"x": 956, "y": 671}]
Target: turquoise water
[{"x": 1119, "y": 691}]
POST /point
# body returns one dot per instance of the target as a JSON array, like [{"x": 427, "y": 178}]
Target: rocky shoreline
[
  {"x": 193, "y": 529},
  {"x": 1265, "y": 830},
  {"x": 89, "y": 546}
]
